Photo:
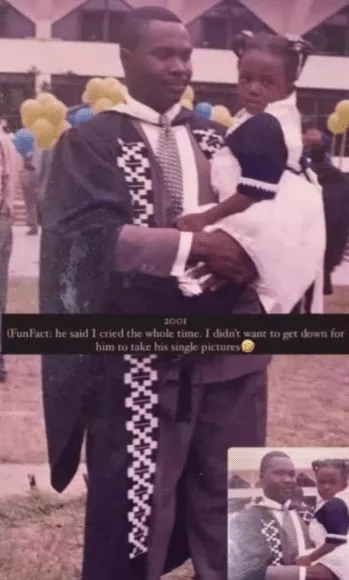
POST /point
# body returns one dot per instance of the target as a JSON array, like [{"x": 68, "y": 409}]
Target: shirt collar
[
  {"x": 143, "y": 113},
  {"x": 274, "y": 505}
]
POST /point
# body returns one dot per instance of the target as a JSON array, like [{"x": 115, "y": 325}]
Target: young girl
[
  {"x": 329, "y": 528},
  {"x": 261, "y": 166}
]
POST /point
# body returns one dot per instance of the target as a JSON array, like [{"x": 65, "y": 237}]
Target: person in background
[
  {"x": 8, "y": 186},
  {"x": 30, "y": 189},
  {"x": 335, "y": 191}
]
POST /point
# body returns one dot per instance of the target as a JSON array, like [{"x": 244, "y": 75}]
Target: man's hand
[
  {"x": 194, "y": 222},
  {"x": 303, "y": 561},
  {"x": 223, "y": 256}
]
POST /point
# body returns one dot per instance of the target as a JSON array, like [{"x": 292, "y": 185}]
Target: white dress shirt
[
  {"x": 150, "y": 123},
  {"x": 277, "y": 510}
]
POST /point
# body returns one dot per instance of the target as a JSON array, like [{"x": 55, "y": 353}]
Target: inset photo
[{"x": 288, "y": 514}]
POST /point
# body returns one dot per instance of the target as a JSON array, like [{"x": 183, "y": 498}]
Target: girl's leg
[{"x": 320, "y": 572}]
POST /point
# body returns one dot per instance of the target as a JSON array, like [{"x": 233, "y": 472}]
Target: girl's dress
[
  {"x": 331, "y": 522},
  {"x": 284, "y": 233}
]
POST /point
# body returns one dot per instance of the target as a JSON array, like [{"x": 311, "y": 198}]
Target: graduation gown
[
  {"x": 102, "y": 179},
  {"x": 254, "y": 542}
]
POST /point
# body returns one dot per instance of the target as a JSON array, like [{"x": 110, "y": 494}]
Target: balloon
[
  {"x": 114, "y": 93},
  {"x": 102, "y": 105},
  {"x": 85, "y": 97},
  {"x": 55, "y": 111},
  {"x": 45, "y": 133},
  {"x": 44, "y": 98},
  {"x": 222, "y": 115},
  {"x": 188, "y": 94},
  {"x": 335, "y": 124},
  {"x": 342, "y": 109},
  {"x": 81, "y": 116},
  {"x": 95, "y": 89},
  {"x": 64, "y": 126},
  {"x": 187, "y": 104},
  {"x": 30, "y": 111},
  {"x": 203, "y": 110},
  {"x": 24, "y": 141}
]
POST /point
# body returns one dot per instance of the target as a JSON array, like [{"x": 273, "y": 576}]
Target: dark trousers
[
  {"x": 192, "y": 469},
  {"x": 189, "y": 506},
  {"x": 5, "y": 254}
]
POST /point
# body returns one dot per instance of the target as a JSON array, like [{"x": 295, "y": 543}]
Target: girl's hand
[
  {"x": 194, "y": 222},
  {"x": 303, "y": 561}
]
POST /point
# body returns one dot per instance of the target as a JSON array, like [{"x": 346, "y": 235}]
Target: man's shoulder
[
  {"x": 198, "y": 124},
  {"x": 102, "y": 127}
]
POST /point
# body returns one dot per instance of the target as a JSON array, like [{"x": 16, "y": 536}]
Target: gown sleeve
[
  {"x": 334, "y": 516},
  {"x": 259, "y": 146}
]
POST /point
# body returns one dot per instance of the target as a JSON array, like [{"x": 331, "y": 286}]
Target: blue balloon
[
  {"x": 82, "y": 116},
  {"x": 203, "y": 110},
  {"x": 24, "y": 141}
]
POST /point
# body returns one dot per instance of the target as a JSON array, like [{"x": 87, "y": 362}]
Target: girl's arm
[
  {"x": 318, "y": 553},
  {"x": 197, "y": 222}
]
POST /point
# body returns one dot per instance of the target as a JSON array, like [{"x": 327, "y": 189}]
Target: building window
[
  {"x": 101, "y": 25},
  {"x": 114, "y": 25},
  {"x": 3, "y": 22},
  {"x": 68, "y": 89},
  {"x": 220, "y": 24},
  {"x": 92, "y": 25},
  {"x": 332, "y": 36},
  {"x": 14, "y": 89}
]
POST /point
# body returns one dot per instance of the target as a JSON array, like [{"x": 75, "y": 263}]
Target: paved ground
[{"x": 25, "y": 258}]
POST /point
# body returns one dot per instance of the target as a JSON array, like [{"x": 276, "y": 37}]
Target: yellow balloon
[
  {"x": 335, "y": 124},
  {"x": 45, "y": 133},
  {"x": 101, "y": 105},
  {"x": 220, "y": 111},
  {"x": 61, "y": 128},
  {"x": 85, "y": 98},
  {"x": 342, "y": 109},
  {"x": 95, "y": 89},
  {"x": 189, "y": 94},
  {"x": 55, "y": 111},
  {"x": 44, "y": 98},
  {"x": 30, "y": 111},
  {"x": 187, "y": 104},
  {"x": 115, "y": 94}
]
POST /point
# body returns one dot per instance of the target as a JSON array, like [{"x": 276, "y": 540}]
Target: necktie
[
  {"x": 288, "y": 539},
  {"x": 170, "y": 165}
]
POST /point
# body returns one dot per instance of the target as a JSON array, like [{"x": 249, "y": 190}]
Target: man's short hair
[
  {"x": 135, "y": 20},
  {"x": 268, "y": 458}
]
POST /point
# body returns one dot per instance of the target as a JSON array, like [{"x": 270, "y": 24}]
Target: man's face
[
  {"x": 159, "y": 69},
  {"x": 279, "y": 479}
]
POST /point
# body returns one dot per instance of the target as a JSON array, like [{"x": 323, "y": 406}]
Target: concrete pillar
[
  {"x": 43, "y": 30},
  {"x": 185, "y": 9}
]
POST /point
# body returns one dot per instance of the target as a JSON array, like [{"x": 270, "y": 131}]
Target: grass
[{"x": 41, "y": 536}]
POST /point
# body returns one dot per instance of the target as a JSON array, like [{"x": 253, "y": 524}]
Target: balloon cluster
[
  {"x": 338, "y": 122},
  {"x": 103, "y": 94},
  {"x": 203, "y": 110},
  {"x": 44, "y": 120}
]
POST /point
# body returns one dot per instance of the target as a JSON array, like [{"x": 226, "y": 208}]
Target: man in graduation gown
[
  {"x": 266, "y": 538},
  {"x": 158, "y": 429}
]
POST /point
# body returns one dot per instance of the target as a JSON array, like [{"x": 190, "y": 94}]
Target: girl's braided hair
[{"x": 292, "y": 49}]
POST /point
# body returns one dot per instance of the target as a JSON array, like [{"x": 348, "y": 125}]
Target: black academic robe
[
  {"x": 254, "y": 542},
  {"x": 98, "y": 171},
  {"x": 335, "y": 191}
]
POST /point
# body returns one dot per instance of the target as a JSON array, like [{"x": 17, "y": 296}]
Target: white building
[{"x": 64, "y": 42}]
